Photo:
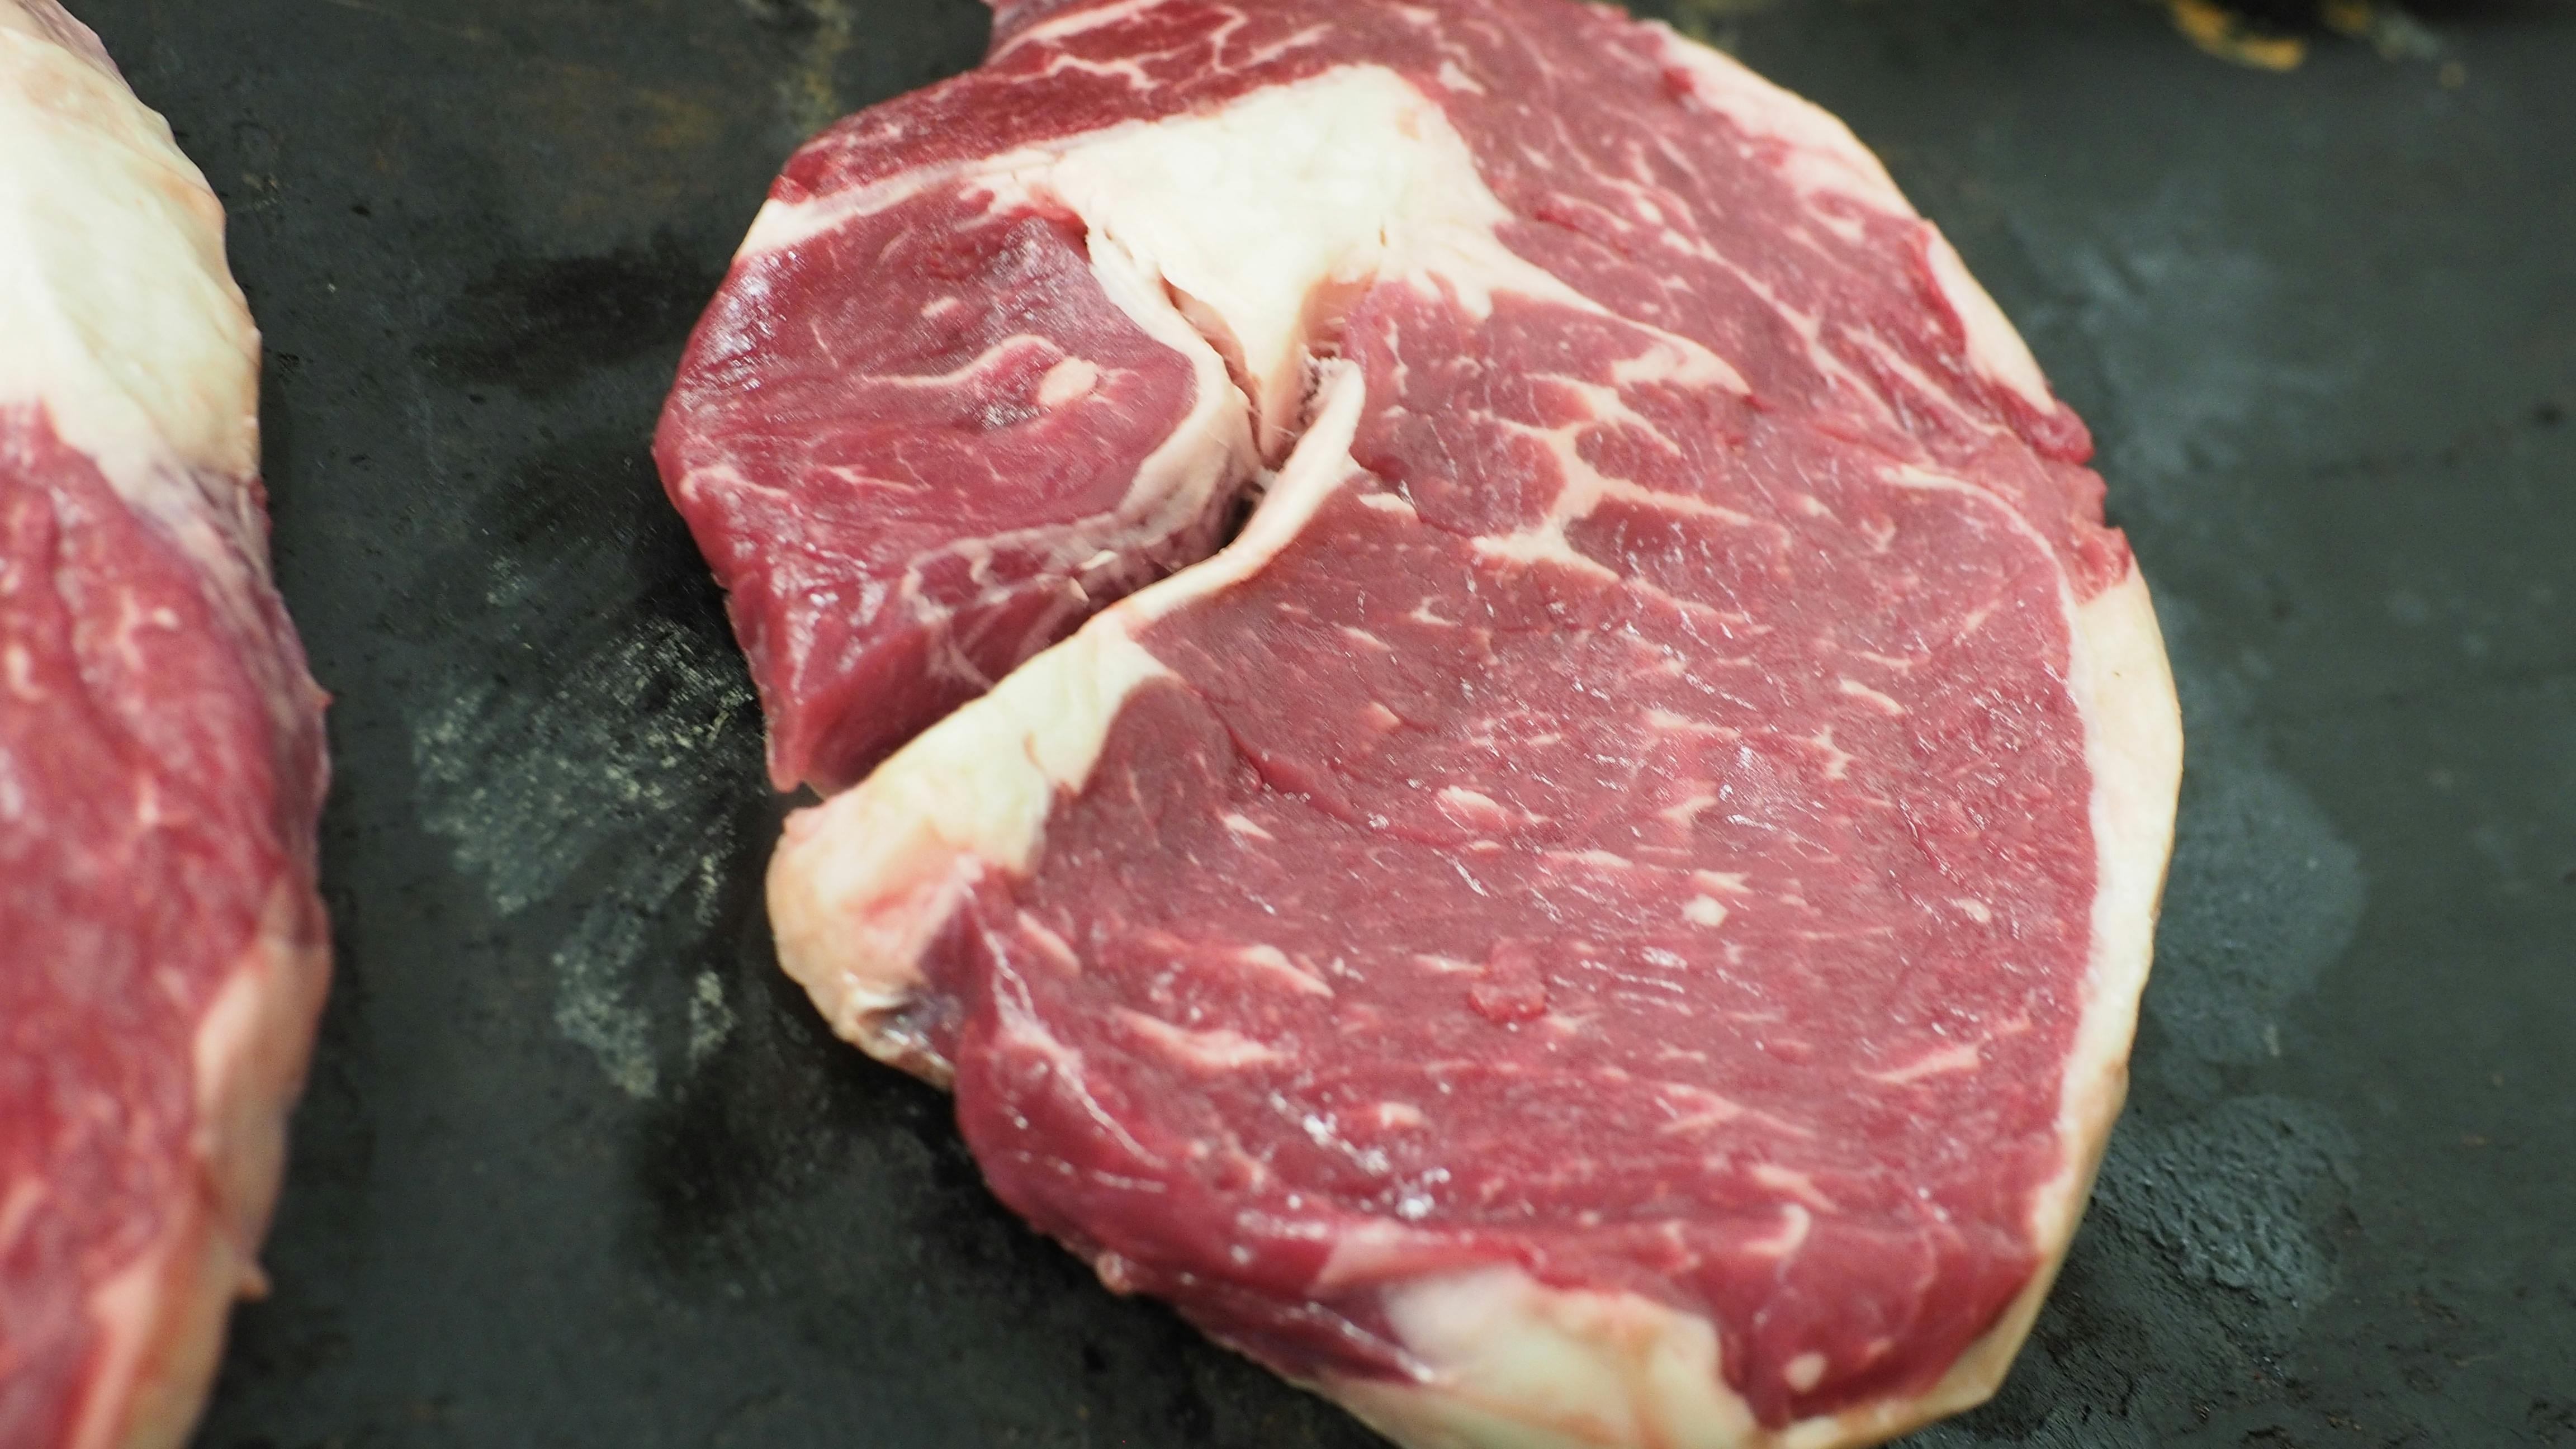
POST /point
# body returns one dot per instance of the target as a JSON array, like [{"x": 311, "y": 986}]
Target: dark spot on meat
[{"x": 541, "y": 326}]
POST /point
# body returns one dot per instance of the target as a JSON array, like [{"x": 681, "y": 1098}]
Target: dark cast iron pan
[{"x": 578, "y": 1167}]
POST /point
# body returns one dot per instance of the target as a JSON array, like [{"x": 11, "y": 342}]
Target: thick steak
[
  {"x": 1612, "y": 914},
  {"x": 162, "y": 951}
]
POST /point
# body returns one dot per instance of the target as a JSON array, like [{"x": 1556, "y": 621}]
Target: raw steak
[
  {"x": 1612, "y": 914},
  {"x": 162, "y": 951}
]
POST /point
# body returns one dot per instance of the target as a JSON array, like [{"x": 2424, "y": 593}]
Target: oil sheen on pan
[
  {"x": 1610, "y": 912},
  {"x": 162, "y": 950}
]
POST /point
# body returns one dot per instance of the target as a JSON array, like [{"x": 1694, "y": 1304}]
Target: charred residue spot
[{"x": 542, "y": 325}]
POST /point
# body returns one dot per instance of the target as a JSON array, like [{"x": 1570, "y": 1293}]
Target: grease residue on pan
[
  {"x": 588, "y": 771},
  {"x": 2263, "y": 897}
]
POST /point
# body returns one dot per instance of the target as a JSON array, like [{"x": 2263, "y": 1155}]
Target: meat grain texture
[
  {"x": 1611, "y": 912},
  {"x": 163, "y": 953}
]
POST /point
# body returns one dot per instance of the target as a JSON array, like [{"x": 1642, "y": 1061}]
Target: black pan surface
[{"x": 578, "y": 1167}]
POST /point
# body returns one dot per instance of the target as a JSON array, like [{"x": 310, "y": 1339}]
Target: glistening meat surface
[
  {"x": 1612, "y": 913},
  {"x": 162, "y": 951}
]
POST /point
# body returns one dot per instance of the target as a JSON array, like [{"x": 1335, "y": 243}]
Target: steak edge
[{"x": 161, "y": 766}]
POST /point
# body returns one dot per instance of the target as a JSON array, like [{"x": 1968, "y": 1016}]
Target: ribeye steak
[
  {"x": 162, "y": 951},
  {"x": 1612, "y": 912}
]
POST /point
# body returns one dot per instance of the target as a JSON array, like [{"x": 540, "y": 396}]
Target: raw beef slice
[
  {"x": 1612, "y": 913},
  {"x": 162, "y": 951}
]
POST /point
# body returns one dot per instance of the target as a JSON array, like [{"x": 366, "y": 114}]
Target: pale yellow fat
[{"x": 116, "y": 310}]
